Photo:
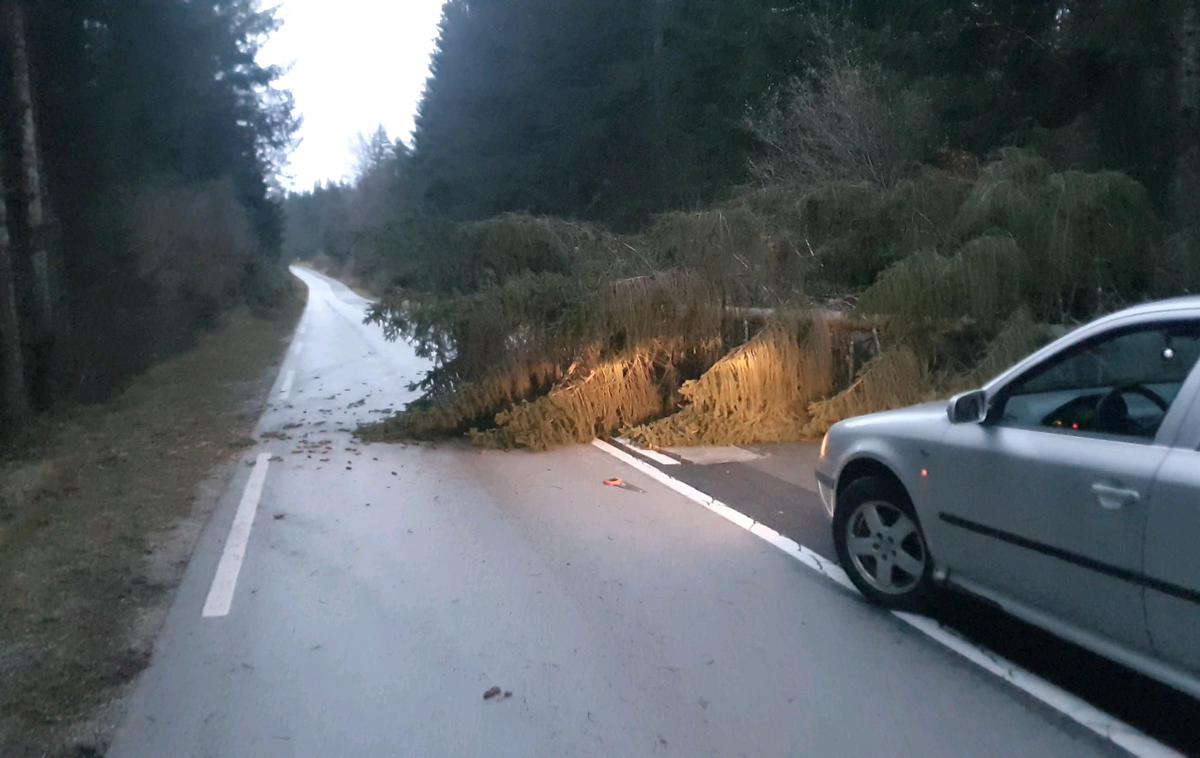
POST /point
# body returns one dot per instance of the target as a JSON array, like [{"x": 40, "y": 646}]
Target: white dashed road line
[
  {"x": 1083, "y": 713},
  {"x": 286, "y": 388},
  {"x": 220, "y": 594},
  {"x": 659, "y": 458}
]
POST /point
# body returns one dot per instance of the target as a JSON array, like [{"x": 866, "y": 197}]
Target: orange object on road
[{"x": 616, "y": 482}]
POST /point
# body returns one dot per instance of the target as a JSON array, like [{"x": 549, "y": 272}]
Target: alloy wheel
[{"x": 886, "y": 547}]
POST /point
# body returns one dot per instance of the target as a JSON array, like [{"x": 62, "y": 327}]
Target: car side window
[{"x": 1120, "y": 383}]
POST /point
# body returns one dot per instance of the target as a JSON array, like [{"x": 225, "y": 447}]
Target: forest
[
  {"x": 696, "y": 220},
  {"x": 140, "y": 144}
]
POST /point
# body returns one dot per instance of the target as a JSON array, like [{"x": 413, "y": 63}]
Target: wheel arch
[{"x": 863, "y": 467}]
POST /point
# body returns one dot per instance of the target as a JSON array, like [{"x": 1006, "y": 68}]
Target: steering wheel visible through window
[{"x": 1120, "y": 383}]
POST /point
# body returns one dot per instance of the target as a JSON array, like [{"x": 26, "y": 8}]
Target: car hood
[{"x": 918, "y": 420}]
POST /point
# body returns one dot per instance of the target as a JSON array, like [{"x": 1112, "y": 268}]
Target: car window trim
[{"x": 1077, "y": 433}]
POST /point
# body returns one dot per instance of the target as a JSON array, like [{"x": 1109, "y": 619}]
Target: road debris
[
  {"x": 496, "y": 692},
  {"x": 618, "y": 482}
]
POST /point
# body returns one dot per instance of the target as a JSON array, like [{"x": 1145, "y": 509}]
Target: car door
[
  {"x": 1045, "y": 504},
  {"x": 1172, "y": 563}
]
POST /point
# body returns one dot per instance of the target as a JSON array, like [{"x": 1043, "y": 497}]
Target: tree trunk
[
  {"x": 29, "y": 258},
  {"x": 1188, "y": 72},
  {"x": 660, "y": 11},
  {"x": 14, "y": 403}
]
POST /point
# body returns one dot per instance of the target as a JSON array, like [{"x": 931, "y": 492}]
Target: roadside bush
[
  {"x": 844, "y": 122},
  {"x": 846, "y": 233},
  {"x": 840, "y": 226},
  {"x": 514, "y": 244},
  {"x": 734, "y": 248},
  {"x": 192, "y": 244},
  {"x": 926, "y": 291},
  {"x": 1089, "y": 239},
  {"x": 267, "y": 285},
  {"x": 1180, "y": 272},
  {"x": 1018, "y": 337}
]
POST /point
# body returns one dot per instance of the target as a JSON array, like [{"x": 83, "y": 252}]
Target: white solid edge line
[
  {"x": 220, "y": 594},
  {"x": 299, "y": 347},
  {"x": 665, "y": 460},
  {"x": 1074, "y": 708},
  {"x": 1078, "y": 710},
  {"x": 286, "y": 388}
]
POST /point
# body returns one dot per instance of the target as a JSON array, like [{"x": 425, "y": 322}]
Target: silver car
[{"x": 1066, "y": 490}]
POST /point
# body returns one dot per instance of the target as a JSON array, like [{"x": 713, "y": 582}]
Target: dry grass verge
[{"x": 99, "y": 510}]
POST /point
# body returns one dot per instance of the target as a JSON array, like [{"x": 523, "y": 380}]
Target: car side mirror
[{"x": 968, "y": 408}]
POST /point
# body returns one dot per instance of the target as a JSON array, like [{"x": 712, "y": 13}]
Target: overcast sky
[{"x": 355, "y": 64}]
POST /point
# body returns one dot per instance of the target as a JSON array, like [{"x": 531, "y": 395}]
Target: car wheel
[{"x": 881, "y": 546}]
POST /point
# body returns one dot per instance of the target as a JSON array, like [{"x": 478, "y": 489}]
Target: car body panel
[
  {"x": 899, "y": 439},
  {"x": 1149, "y": 664},
  {"x": 1172, "y": 562},
  {"x": 1022, "y": 499},
  {"x": 1013, "y": 509},
  {"x": 1173, "y": 543}
]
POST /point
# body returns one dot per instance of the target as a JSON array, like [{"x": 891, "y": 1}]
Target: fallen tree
[{"x": 699, "y": 331}]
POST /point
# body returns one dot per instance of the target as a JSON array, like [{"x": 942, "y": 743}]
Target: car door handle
[{"x": 1112, "y": 498}]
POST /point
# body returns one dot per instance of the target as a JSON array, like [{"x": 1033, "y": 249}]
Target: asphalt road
[{"x": 383, "y": 588}]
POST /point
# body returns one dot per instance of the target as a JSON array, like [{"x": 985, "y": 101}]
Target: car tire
[{"x": 881, "y": 545}]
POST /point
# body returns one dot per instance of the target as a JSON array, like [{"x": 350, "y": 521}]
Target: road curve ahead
[{"x": 359, "y": 600}]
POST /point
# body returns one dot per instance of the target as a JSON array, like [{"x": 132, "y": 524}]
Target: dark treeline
[
  {"x": 614, "y": 110},
  {"x": 140, "y": 141}
]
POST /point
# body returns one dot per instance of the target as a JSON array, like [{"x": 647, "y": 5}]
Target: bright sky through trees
[{"x": 355, "y": 64}]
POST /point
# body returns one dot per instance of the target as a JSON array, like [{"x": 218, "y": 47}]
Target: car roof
[{"x": 1184, "y": 303}]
